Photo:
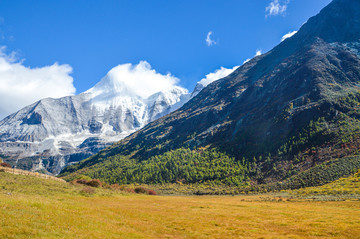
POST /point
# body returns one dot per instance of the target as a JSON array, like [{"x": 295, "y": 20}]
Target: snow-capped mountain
[{"x": 51, "y": 133}]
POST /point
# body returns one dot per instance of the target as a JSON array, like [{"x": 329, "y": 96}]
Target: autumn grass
[{"x": 37, "y": 208}]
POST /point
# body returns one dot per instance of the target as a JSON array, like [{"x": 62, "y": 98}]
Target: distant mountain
[
  {"x": 277, "y": 115},
  {"x": 51, "y": 133}
]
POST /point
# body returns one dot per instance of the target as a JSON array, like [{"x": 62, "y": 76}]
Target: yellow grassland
[{"x": 36, "y": 208}]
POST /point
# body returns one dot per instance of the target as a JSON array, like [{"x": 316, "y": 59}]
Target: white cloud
[
  {"x": 257, "y": 53},
  {"x": 208, "y": 39},
  {"x": 290, "y": 34},
  {"x": 276, "y": 7},
  {"x": 139, "y": 79},
  {"x": 21, "y": 85},
  {"x": 218, "y": 74}
]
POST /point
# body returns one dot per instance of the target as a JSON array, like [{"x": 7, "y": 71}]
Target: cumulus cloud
[
  {"x": 257, "y": 53},
  {"x": 21, "y": 85},
  {"x": 276, "y": 7},
  {"x": 208, "y": 39},
  {"x": 139, "y": 79},
  {"x": 216, "y": 75},
  {"x": 288, "y": 35}
]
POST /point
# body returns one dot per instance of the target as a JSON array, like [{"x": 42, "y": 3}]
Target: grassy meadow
[{"x": 37, "y": 208}]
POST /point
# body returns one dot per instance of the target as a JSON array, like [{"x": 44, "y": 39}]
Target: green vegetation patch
[
  {"x": 178, "y": 166},
  {"x": 343, "y": 186},
  {"x": 316, "y": 176}
]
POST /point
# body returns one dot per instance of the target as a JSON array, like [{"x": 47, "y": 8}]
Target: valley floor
[{"x": 60, "y": 210}]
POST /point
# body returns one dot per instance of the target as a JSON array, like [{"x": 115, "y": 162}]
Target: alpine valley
[
  {"x": 267, "y": 149},
  {"x": 286, "y": 119}
]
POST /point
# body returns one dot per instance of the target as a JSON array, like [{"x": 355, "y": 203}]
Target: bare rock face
[{"x": 52, "y": 133}]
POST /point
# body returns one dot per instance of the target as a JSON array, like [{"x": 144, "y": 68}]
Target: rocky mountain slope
[
  {"x": 273, "y": 114},
  {"x": 51, "y": 133}
]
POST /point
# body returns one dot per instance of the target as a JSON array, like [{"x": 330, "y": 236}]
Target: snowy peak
[
  {"x": 166, "y": 101},
  {"x": 169, "y": 96},
  {"x": 135, "y": 80},
  {"x": 112, "y": 92},
  {"x": 110, "y": 87},
  {"x": 56, "y": 130}
]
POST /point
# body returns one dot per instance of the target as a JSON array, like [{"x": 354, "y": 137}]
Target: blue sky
[{"x": 93, "y": 36}]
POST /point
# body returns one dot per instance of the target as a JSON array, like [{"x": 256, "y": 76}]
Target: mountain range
[
  {"x": 274, "y": 118},
  {"x": 52, "y": 133}
]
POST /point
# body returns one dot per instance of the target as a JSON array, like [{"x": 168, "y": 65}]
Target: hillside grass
[
  {"x": 37, "y": 208},
  {"x": 349, "y": 186}
]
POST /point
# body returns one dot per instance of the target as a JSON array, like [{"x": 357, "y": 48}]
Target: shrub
[
  {"x": 144, "y": 191},
  {"x": 94, "y": 183},
  {"x": 151, "y": 192},
  {"x": 6, "y": 165},
  {"x": 140, "y": 190},
  {"x": 80, "y": 181}
]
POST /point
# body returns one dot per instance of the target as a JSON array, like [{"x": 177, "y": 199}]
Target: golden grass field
[{"x": 37, "y": 208}]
